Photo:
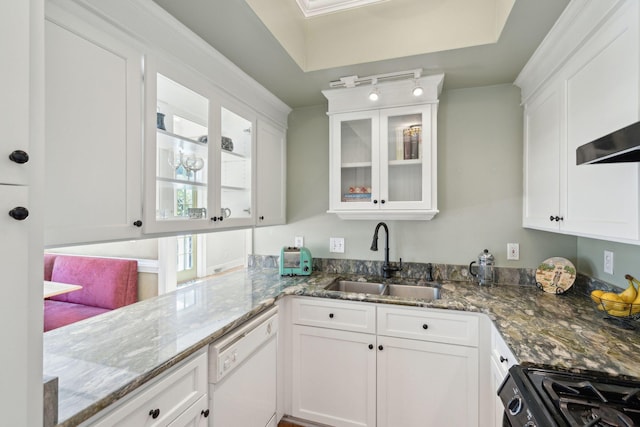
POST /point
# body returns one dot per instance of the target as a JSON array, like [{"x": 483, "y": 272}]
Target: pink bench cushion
[
  {"x": 106, "y": 283},
  {"x": 48, "y": 265},
  {"x": 58, "y": 313}
]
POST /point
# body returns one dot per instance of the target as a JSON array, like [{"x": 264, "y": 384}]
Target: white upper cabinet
[
  {"x": 383, "y": 156},
  {"x": 198, "y": 154},
  {"x": 581, "y": 84},
  {"x": 93, "y": 133}
]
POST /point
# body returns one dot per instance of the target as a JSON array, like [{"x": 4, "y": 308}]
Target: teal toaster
[{"x": 295, "y": 261}]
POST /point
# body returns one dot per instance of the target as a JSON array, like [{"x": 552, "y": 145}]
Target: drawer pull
[
  {"x": 205, "y": 413},
  {"x": 155, "y": 413},
  {"x": 425, "y": 326},
  {"x": 503, "y": 359},
  {"x": 330, "y": 315}
]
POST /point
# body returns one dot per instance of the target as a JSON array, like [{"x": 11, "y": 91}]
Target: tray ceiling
[{"x": 338, "y": 33}]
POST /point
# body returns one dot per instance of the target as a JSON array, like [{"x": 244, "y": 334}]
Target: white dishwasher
[{"x": 242, "y": 374}]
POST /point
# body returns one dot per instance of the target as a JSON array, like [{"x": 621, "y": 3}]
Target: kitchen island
[{"x": 102, "y": 359}]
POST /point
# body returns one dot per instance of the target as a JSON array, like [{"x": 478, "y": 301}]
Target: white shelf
[
  {"x": 405, "y": 162},
  {"x": 179, "y": 138},
  {"x": 181, "y": 182},
  {"x": 231, "y": 187},
  {"x": 356, "y": 165},
  {"x": 234, "y": 154}
]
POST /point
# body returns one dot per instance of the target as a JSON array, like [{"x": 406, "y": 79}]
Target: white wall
[{"x": 479, "y": 190}]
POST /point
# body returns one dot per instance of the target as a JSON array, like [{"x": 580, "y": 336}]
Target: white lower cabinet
[
  {"x": 501, "y": 360},
  {"x": 426, "y": 383},
  {"x": 421, "y": 368},
  {"x": 177, "y": 398}
]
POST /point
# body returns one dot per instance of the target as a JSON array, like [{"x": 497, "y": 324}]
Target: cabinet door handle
[
  {"x": 19, "y": 156},
  {"x": 382, "y": 201},
  {"x": 330, "y": 315},
  {"x": 503, "y": 359},
  {"x": 261, "y": 218},
  {"x": 205, "y": 413},
  {"x": 220, "y": 218},
  {"x": 380, "y": 347},
  {"x": 370, "y": 346},
  {"x": 214, "y": 219},
  {"x": 155, "y": 413},
  {"x": 138, "y": 223},
  {"x": 556, "y": 218},
  {"x": 19, "y": 213},
  {"x": 375, "y": 201},
  {"x": 425, "y": 326}
]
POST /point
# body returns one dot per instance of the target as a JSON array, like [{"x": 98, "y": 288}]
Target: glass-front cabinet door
[
  {"x": 355, "y": 174},
  {"x": 237, "y": 142},
  {"x": 405, "y": 158}
]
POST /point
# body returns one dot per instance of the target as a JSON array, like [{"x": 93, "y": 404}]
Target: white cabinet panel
[
  {"x": 334, "y": 376},
  {"x": 272, "y": 175},
  {"x": 93, "y": 135},
  {"x": 426, "y": 383}
]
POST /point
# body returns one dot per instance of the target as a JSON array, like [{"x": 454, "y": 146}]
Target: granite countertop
[{"x": 101, "y": 359}]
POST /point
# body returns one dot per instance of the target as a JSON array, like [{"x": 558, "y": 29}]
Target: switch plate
[
  {"x": 513, "y": 251},
  {"x": 298, "y": 241},
  {"x": 608, "y": 262},
  {"x": 336, "y": 244}
]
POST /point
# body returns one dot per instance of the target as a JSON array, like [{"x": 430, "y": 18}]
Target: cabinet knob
[
  {"x": 261, "y": 218},
  {"x": 214, "y": 219},
  {"x": 220, "y": 218},
  {"x": 380, "y": 347},
  {"x": 155, "y": 413},
  {"x": 375, "y": 201},
  {"x": 330, "y": 315},
  {"x": 19, "y": 213},
  {"x": 137, "y": 223},
  {"x": 19, "y": 156},
  {"x": 556, "y": 218},
  {"x": 205, "y": 413},
  {"x": 425, "y": 326},
  {"x": 370, "y": 346},
  {"x": 382, "y": 201},
  {"x": 503, "y": 359}
]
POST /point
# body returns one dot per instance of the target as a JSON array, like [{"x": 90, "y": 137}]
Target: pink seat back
[
  {"x": 49, "y": 259},
  {"x": 106, "y": 282}
]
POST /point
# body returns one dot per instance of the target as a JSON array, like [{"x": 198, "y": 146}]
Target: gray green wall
[
  {"x": 626, "y": 260},
  {"x": 479, "y": 190}
]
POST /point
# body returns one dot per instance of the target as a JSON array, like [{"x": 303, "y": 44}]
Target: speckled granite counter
[{"x": 99, "y": 360}]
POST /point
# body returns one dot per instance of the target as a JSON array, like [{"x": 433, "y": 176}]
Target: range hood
[{"x": 618, "y": 147}]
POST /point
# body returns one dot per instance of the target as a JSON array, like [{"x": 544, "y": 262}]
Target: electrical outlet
[
  {"x": 336, "y": 244},
  {"x": 513, "y": 251},
  {"x": 298, "y": 241},
  {"x": 608, "y": 262}
]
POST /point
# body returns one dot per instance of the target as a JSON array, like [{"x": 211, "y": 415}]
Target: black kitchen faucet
[{"x": 387, "y": 269}]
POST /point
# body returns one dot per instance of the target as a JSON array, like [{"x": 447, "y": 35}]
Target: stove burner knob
[{"x": 515, "y": 405}]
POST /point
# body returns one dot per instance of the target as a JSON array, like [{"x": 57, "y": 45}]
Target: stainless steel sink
[
  {"x": 427, "y": 293},
  {"x": 357, "y": 287}
]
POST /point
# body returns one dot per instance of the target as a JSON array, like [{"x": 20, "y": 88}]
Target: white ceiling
[{"x": 234, "y": 29}]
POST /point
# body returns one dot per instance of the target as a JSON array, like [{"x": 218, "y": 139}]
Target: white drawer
[
  {"x": 326, "y": 313},
  {"x": 170, "y": 395},
  {"x": 500, "y": 351},
  {"x": 443, "y": 326}
]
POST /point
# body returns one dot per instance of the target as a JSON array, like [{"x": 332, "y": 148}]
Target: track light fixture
[
  {"x": 374, "y": 95},
  {"x": 417, "y": 89}
]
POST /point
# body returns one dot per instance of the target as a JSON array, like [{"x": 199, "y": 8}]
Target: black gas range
[{"x": 548, "y": 398}]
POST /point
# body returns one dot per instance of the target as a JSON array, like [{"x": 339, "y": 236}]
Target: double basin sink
[{"x": 426, "y": 293}]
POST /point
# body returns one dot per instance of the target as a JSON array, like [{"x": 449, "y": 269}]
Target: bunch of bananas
[{"x": 621, "y": 304}]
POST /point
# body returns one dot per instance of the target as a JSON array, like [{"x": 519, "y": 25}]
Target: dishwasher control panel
[{"x": 235, "y": 347}]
